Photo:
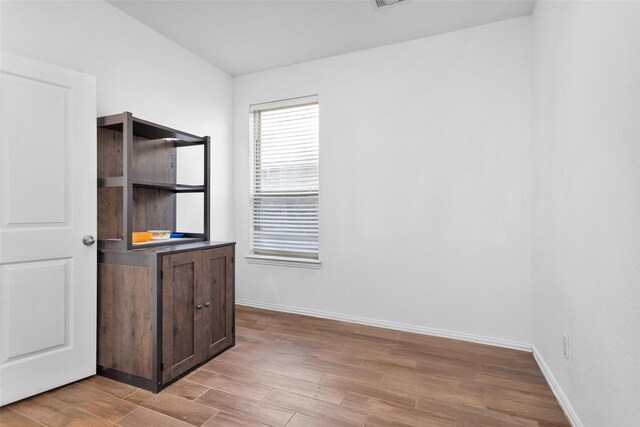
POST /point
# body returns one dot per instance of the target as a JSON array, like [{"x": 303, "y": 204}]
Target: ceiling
[{"x": 241, "y": 37}]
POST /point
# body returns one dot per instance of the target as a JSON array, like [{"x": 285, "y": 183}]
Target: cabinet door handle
[
  {"x": 206, "y": 304},
  {"x": 199, "y": 306}
]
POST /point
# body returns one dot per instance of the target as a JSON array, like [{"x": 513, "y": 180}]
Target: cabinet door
[
  {"x": 182, "y": 274},
  {"x": 218, "y": 299}
]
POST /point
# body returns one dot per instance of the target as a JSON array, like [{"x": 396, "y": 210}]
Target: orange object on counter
[{"x": 140, "y": 236}]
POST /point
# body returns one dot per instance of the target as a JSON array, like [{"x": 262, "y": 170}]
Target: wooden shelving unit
[
  {"x": 167, "y": 306},
  {"x": 137, "y": 180}
]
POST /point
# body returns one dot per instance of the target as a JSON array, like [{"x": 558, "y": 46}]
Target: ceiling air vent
[{"x": 381, "y": 3}]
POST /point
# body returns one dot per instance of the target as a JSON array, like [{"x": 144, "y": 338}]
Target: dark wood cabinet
[
  {"x": 197, "y": 291},
  {"x": 164, "y": 307},
  {"x": 163, "y": 311}
]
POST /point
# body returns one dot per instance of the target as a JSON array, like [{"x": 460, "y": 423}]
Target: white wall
[
  {"x": 425, "y": 183},
  {"x": 137, "y": 70},
  {"x": 425, "y": 156},
  {"x": 586, "y": 204}
]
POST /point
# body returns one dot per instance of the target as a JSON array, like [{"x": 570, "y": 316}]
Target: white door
[{"x": 47, "y": 205}]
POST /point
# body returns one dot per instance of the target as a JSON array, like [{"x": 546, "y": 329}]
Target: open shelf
[
  {"x": 149, "y": 130},
  {"x": 137, "y": 182},
  {"x": 118, "y": 181},
  {"x": 176, "y": 188},
  {"x": 173, "y": 241}
]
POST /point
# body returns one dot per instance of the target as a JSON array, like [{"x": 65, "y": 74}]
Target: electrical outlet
[{"x": 565, "y": 345}]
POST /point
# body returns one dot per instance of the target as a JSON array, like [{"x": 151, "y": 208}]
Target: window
[{"x": 285, "y": 182}]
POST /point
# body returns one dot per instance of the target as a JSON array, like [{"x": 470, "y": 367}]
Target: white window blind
[{"x": 285, "y": 179}]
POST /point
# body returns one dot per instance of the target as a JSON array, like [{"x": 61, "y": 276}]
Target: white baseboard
[
  {"x": 390, "y": 325},
  {"x": 571, "y": 413}
]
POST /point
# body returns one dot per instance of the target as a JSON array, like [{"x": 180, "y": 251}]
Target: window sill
[{"x": 284, "y": 261}]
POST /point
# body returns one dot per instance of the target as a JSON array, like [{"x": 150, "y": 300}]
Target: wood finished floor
[{"x": 301, "y": 371}]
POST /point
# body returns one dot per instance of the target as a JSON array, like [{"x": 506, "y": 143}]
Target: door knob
[
  {"x": 199, "y": 306},
  {"x": 88, "y": 240},
  {"x": 206, "y": 304}
]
